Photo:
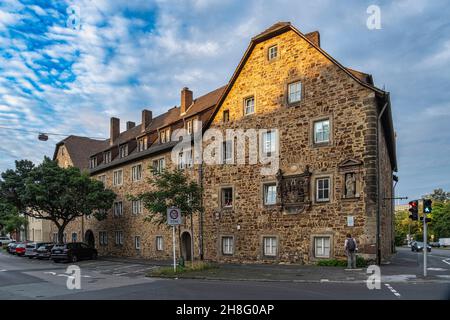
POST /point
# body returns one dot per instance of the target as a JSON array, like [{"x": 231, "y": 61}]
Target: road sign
[{"x": 173, "y": 216}]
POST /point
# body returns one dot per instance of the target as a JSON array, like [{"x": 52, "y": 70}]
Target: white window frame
[
  {"x": 269, "y": 142},
  {"x": 102, "y": 178},
  {"x": 247, "y": 108},
  {"x": 227, "y": 151},
  {"x": 142, "y": 144},
  {"x": 322, "y": 248},
  {"x": 118, "y": 238},
  {"x": 266, "y": 187},
  {"x": 322, "y": 189},
  {"x": 137, "y": 242},
  {"x": 180, "y": 160},
  {"x": 118, "y": 213},
  {"x": 297, "y": 95},
  {"x": 160, "y": 164},
  {"x": 316, "y": 131},
  {"x": 103, "y": 238},
  {"x": 272, "y": 52},
  {"x": 136, "y": 175},
  {"x": 107, "y": 156},
  {"x": 159, "y": 243},
  {"x": 93, "y": 162},
  {"x": 227, "y": 245},
  {"x": 136, "y": 206},
  {"x": 123, "y": 150},
  {"x": 116, "y": 176},
  {"x": 270, "y": 246},
  {"x": 189, "y": 126}
]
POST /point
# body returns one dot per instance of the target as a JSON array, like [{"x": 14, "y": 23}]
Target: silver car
[
  {"x": 4, "y": 241},
  {"x": 31, "y": 249}
]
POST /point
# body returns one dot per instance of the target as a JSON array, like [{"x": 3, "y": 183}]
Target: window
[
  {"x": 118, "y": 236},
  {"x": 273, "y": 52},
  {"x": 118, "y": 177},
  {"x": 142, "y": 144},
  {"x": 294, "y": 92},
  {"x": 136, "y": 172},
  {"x": 159, "y": 243},
  {"x": 323, "y": 189},
  {"x": 123, "y": 150},
  {"x": 227, "y": 245},
  {"x": 270, "y": 194},
  {"x": 322, "y": 247},
  {"x": 137, "y": 242},
  {"x": 249, "y": 106},
  {"x": 189, "y": 126},
  {"x": 227, "y": 151},
  {"x": 226, "y": 116},
  {"x": 136, "y": 206},
  {"x": 74, "y": 237},
  {"x": 107, "y": 157},
  {"x": 103, "y": 238},
  {"x": 190, "y": 158},
  {"x": 159, "y": 165},
  {"x": 102, "y": 178},
  {"x": 93, "y": 162},
  {"x": 55, "y": 237},
  {"x": 227, "y": 197},
  {"x": 164, "y": 136},
  {"x": 270, "y": 246},
  {"x": 118, "y": 209},
  {"x": 180, "y": 161},
  {"x": 268, "y": 142},
  {"x": 322, "y": 131}
]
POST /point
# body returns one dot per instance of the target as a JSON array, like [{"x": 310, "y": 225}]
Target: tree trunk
[{"x": 61, "y": 229}]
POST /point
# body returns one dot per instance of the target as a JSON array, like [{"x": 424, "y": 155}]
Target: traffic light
[
  {"x": 427, "y": 206},
  {"x": 414, "y": 209}
]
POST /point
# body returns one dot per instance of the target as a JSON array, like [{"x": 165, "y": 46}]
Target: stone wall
[{"x": 328, "y": 92}]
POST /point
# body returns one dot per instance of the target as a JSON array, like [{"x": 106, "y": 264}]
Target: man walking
[{"x": 350, "y": 250}]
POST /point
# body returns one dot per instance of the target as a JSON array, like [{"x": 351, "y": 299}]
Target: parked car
[
  {"x": 44, "y": 251},
  {"x": 435, "y": 244},
  {"x": 418, "y": 246},
  {"x": 20, "y": 249},
  {"x": 444, "y": 242},
  {"x": 73, "y": 252},
  {"x": 31, "y": 249},
  {"x": 12, "y": 247},
  {"x": 4, "y": 241}
]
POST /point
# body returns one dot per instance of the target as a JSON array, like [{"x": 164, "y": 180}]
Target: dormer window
[
  {"x": 142, "y": 144},
  {"x": 93, "y": 162},
  {"x": 273, "y": 52},
  {"x": 164, "y": 135},
  {"x": 123, "y": 150},
  {"x": 107, "y": 157}
]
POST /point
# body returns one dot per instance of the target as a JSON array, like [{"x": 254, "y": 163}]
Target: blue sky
[{"x": 130, "y": 55}]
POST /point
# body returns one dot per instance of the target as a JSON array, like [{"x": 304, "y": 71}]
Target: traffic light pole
[{"x": 425, "y": 246}]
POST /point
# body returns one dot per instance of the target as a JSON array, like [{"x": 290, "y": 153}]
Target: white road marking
[
  {"x": 392, "y": 290},
  {"x": 447, "y": 261},
  {"x": 52, "y": 273},
  {"x": 3, "y": 270},
  {"x": 436, "y": 269}
]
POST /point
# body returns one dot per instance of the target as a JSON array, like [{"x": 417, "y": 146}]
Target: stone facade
[{"x": 297, "y": 226}]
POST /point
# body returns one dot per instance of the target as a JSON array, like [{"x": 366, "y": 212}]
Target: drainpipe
[
  {"x": 200, "y": 182},
  {"x": 378, "y": 185}
]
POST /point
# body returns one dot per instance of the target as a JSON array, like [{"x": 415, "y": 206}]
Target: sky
[{"x": 66, "y": 67}]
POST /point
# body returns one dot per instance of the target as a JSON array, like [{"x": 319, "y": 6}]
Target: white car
[{"x": 4, "y": 241}]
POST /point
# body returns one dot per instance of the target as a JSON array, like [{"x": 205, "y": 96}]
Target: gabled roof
[
  {"x": 80, "y": 149},
  {"x": 361, "y": 78}
]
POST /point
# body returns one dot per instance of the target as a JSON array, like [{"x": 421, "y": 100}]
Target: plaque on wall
[{"x": 294, "y": 191}]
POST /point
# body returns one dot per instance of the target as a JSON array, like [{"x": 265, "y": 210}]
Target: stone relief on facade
[{"x": 294, "y": 191}]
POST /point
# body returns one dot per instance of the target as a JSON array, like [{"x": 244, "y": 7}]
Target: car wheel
[{"x": 74, "y": 258}]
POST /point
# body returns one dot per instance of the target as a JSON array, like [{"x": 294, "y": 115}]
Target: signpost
[{"x": 174, "y": 219}]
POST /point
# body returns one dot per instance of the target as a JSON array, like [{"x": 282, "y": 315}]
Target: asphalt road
[{"x": 21, "y": 278}]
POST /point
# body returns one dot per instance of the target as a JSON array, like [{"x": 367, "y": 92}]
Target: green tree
[
  {"x": 438, "y": 195},
  {"x": 10, "y": 221},
  {"x": 60, "y": 195},
  {"x": 441, "y": 219},
  {"x": 170, "y": 188}
]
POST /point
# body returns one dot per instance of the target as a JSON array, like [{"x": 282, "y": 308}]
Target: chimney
[
  {"x": 146, "y": 119},
  {"x": 130, "y": 124},
  {"x": 314, "y": 37},
  {"x": 186, "y": 99},
  {"x": 114, "y": 130}
]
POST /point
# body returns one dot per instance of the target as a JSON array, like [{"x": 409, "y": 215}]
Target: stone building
[{"x": 331, "y": 131}]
